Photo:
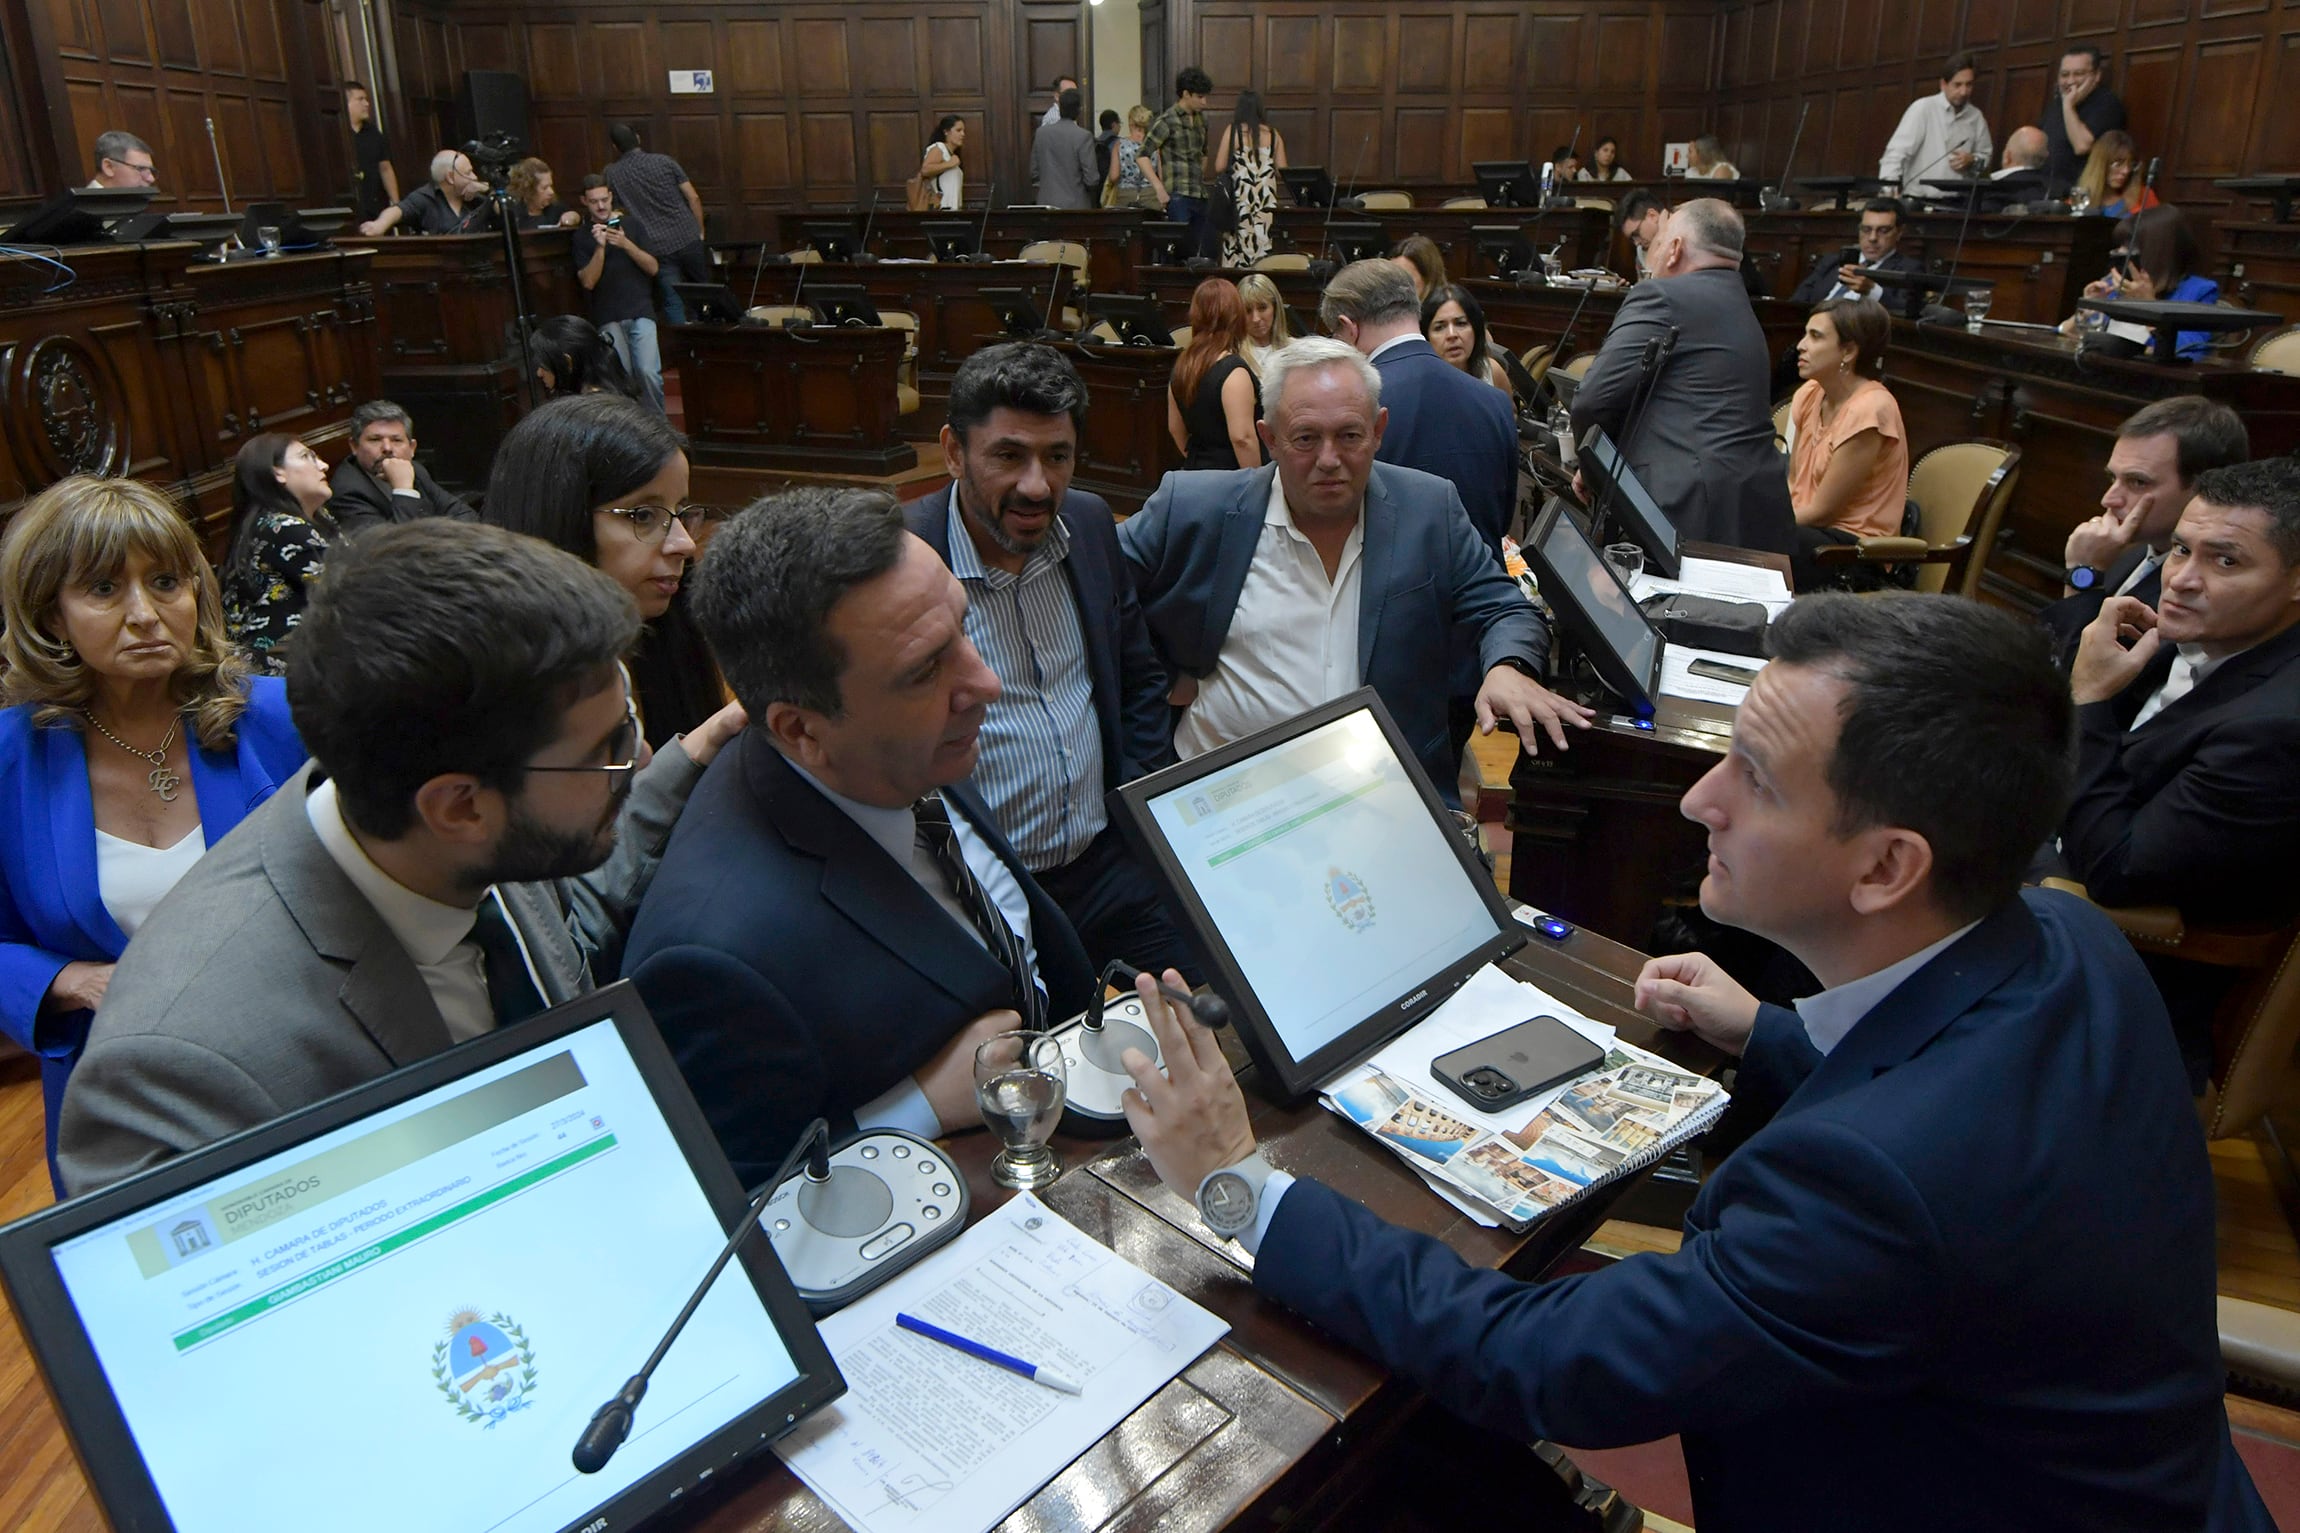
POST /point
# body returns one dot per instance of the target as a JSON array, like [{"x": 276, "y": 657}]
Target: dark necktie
[
  {"x": 509, "y": 986},
  {"x": 935, "y": 834}
]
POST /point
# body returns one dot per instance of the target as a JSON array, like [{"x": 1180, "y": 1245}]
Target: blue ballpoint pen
[{"x": 1046, "y": 1376}]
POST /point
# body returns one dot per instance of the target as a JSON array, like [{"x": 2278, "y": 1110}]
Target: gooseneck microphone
[
  {"x": 611, "y": 1423},
  {"x": 1210, "y": 1009}
]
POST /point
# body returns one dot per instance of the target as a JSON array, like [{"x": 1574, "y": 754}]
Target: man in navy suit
[
  {"x": 1275, "y": 589},
  {"x": 1050, "y": 607},
  {"x": 2188, "y": 756},
  {"x": 2152, "y": 471},
  {"x": 1963, "y": 1277},
  {"x": 838, "y": 923}
]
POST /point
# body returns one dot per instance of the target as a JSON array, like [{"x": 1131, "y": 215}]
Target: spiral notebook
[{"x": 1513, "y": 1167}]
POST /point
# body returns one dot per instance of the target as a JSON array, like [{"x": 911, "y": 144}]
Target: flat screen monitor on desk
[
  {"x": 1351, "y": 240},
  {"x": 951, "y": 239},
  {"x": 1328, "y": 886},
  {"x": 400, "y": 1307},
  {"x": 78, "y": 216},
  {"x": 833, "y": 240},
  {"x": 1628, "y": 505},
  {"x": 1017, "y": 311},
  {"x": 1136, "y": 320},
  {"x": 1311, "y": 186},
  {"x": 1595, "y": 608},
  {"x": 710, "y": 303},
  {"x": 1164, "y": 244},
  {"x": 1503, "y": 250},
  {"x": 1507, "y": 183},
  {"x": 843, "y": 303}
]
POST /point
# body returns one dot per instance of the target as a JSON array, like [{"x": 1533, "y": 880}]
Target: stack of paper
[{"x": 1720, "y": 579}]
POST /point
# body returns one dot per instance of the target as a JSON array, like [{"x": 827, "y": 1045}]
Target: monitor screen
[
  {"x": 1629, "y": 505},
  {"x": 1327, "y": 880},
  {"x": 1593, "y": 604},
  {"x": 451, "y": 1284}
]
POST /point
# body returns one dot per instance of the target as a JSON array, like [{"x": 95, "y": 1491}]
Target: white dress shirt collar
[
  {"x": 428, "y": 930},
  {"x": 894, "y": 829},
  {"x": 1833, "y": 1013},
  {"x": 1393, "y": 342}
]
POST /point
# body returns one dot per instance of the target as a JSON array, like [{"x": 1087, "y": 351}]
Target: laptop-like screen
[
  {"x": 408, "y": 1321},
  {"x": 1590, "y": 599}
]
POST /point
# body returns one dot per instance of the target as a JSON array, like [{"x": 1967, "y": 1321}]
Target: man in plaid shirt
[
  {"x": 1178, "y": 139},
  {"x": 665, "y": 214}
]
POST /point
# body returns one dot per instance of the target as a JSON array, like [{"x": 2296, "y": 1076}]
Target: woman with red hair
[{"x": 1214, "y": 401}]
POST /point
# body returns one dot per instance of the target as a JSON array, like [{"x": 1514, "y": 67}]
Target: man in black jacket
[
  {"x": 1880, "y": 249},
  {"x": 381, "y": 483},
  {"x": 2188, "y": 764}
]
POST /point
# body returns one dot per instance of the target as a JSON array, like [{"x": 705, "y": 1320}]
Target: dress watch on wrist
[
  {"x": 2086, "y": 578},
  {"x": 1229, "y": 1198}
]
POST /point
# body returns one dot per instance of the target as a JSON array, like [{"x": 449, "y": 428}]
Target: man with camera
[
  {"x": 619, "y": 274},
  {"x": 455, "y": 202}
]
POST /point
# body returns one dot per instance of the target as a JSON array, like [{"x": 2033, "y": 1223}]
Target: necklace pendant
[{"x": 164, "y": 783}]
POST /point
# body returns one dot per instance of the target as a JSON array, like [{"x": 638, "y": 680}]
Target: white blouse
[{"x": 132, "y": 878}]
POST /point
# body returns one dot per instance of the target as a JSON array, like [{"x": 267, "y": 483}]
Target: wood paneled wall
[
  {"x": 1422, "y": 90},
  {"x": 163, "y": 69},
  {"x": 2208, "y": 85},
  {"x": 817, "y": 104}
]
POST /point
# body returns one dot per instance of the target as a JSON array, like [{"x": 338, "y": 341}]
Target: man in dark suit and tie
[
  {"x": 2188, "y": 756},
  {"x": 381, "y": 483},
  {"x": 2159, "y": 454},
  {"x": 1702, "y": 440},
  {"x": 1879, "y": 245},
  {"x": 1963, "y": 1276},
  {"x": 1050, "y": 607},
  {"x": 1271, "y": 590},
  {"x": 838, "y": 923}
]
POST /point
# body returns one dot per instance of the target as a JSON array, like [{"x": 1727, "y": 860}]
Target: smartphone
[
  {"x": 1516, "y": 1064},
  {"x": 1718, "y": 670}
]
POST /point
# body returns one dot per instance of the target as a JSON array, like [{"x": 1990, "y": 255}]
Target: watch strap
[{"x": 1256, "y": 1173}]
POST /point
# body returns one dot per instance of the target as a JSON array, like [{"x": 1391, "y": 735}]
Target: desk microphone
[
  {"x": 1940, "y": 313},
  {"x": 1656, "y": 357},
  {"x": 1053, "y": 327},
  {"x": 1776, "y": 198},
  {"x": 799, "y": 320},
  {"x": 863, "y": 257},
  {"x": 1210, "y": 1009},
  {"x": 611, "y": 1423},
  {"x": 982, "y": 234}
]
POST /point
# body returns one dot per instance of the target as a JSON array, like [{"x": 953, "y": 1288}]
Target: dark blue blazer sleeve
[
  {"x": 1144, "y": 732},
  {"x": 1488, "y": 603},
  {"x": 1776, "y": 1059},
  {"x": 1819, "y": 1285},
  {"x": 1149, "y": 542}
]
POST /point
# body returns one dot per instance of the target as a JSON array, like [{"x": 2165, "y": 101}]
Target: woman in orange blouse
[{"x": 1848, "y": 455}]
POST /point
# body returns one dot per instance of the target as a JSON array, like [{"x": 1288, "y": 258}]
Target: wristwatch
[
  {"x": 2086, "y": 578},
  {"x": 1229, "y": 1198}
]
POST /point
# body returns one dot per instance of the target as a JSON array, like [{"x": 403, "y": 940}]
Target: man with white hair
[
  {"x": 454, "y": 202},
  {"x": 1682, "y": 385},
  {"x": 1271, "y": 590}
]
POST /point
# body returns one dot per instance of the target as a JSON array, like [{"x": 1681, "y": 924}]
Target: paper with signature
[{"x": 929, "y": 1438}]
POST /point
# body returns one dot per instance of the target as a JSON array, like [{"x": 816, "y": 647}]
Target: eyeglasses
[
  {"x": 622, "y": 762},
  {"x": 652, "y": 524}
]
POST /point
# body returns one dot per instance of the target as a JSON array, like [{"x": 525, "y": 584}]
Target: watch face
[
  {"x": 2084, "y": 579},
  {"x": 1226, "y": 1202}
]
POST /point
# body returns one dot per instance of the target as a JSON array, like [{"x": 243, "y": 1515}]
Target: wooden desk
[
  {"x": 1125, "y": 450},
  {"x": 1587, "y": 232},
  {"x": 2259, "y": 266},
  {"x": 820, "y": 400},
  {"x": 1107, "y": 234},
  {"x": 953, "y": 320},
  {"x": 2039, "y": 265}
]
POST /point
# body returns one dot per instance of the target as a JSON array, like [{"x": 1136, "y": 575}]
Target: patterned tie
[
  {"x": 510, "y": 989},
  {"x": 941, "y": 843}
]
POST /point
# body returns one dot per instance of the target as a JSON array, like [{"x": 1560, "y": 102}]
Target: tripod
[{"x": 522, "y": 319}]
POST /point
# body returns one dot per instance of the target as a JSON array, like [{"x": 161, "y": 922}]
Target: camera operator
[
  {"x": 456, "y": 202},
  {"x": 619, "y": 274}
]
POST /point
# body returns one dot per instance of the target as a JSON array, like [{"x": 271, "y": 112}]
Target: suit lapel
[
  {"x": 382, "y": 991},
  {"x": 2239, "y": 674},
  {"x": 1241, "y": 534},
  {"x": 1377, "y": 550},
  {"x": 1090, "y": 587},
  {"x": 933, "y": 521},
  {"x": 860, "y": 880},
  {"x": 72, "y": 829}
]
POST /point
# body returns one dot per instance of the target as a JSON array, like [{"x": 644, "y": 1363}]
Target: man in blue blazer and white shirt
[
  {"x": 1050, "y": 607},
  {"x": 838, "y": 923},
  {"x": 1964, "y": 1275},
  {"x": 1274, "y": 589}
]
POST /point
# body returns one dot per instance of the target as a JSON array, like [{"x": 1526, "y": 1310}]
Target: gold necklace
[{"x": 163, "y": 782}]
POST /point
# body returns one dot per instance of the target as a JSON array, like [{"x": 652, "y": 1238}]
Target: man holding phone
[
  {"x": 1879, "y": 249},
  {"x": 619, "y": 274}
]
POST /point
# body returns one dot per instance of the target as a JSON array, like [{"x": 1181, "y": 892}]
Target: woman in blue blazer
[{"x": 136, "y": 739}]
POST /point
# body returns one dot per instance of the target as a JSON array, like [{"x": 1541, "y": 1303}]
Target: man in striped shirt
[{"x": 1051, "y": 609}]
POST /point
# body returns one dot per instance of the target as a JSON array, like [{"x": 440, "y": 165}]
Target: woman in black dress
[
  {"x": 278, "y": 542},
  {"x": 1213, "y": 402}
]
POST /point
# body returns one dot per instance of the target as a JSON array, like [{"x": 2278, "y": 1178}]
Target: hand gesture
[
  {"x": 1192, "y": 1118},
  {"x": 398, "y": 473},
  {"x": 1855, "y": 279},
  {"x": 706, "y": 739},
  {"x": 570, "y": 219},
  {"x": 1960, "y": 160},
  {"x": 2099, "y": 541},
  {"x": 2103, "y": 667},
  {"x": 948, "y": 1078},
  {"x": 1689, "y": 992},
  {"x": 1531, "y": 707}
]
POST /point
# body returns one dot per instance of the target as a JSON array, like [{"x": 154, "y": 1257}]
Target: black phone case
[{"x": 1530, "y": 1058}]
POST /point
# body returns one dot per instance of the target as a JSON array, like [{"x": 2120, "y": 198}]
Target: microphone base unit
[
  {"x": 1091, "y": 1108},
  {"x": 891, "y": 1199}
]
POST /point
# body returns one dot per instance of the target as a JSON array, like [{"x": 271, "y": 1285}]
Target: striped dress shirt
[{"x": 1041, "y": 764}]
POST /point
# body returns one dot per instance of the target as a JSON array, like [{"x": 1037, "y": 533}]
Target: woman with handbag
[
  {"x": 941, "y": 179},
  {"x": 1246, "y": 164}
]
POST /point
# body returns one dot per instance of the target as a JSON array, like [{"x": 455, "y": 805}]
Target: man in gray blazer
[
  {"x": 1062, "y": 158},
  {"x": 467, "y": 848},
  {"x": 1702, "y": 442}
]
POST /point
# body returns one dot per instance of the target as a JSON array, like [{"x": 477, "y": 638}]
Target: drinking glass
[
  {"x": 1977, "y": 307},
  {"x": 2079, "y": 200},
  {"x": 268, "y": 236},
  {"x": 1019, "y": 1082},
  {"x": 1627, "y": 559}
]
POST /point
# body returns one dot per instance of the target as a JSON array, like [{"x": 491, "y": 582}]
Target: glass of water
[
  {"x": 1020, "y": 1082},
  {"x": 268, "y": 236},
  {"x": 1977, "y": 307},
  {"x": 2079, "y": 201}
]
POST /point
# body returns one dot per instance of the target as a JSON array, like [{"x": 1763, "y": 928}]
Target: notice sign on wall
[{"x": 690, "y": 82}]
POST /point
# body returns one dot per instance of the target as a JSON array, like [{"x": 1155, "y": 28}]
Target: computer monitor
[
  {"x": 1507, "y": 183},
  {"x": 400, "y": 1307},
  {"x": 832, "y": 239},
  {"x": 215, "y": 230},
  {"x": 1328, "y": 885},
  {"x": 78, "y": 216},
  {"x": 709, "y": 303},
  {"x": 1594, "y": 607},
  {"x": 1164, "y": 244},
  {"x": 1017, "y": 311},
  {"x": 843, "y": 303},
  {"x": 951, "y": 239},
  {"x": 1503, "y": 250},
  {"x": 1354, "y": 240},
  {"x": 1630, "y": 506},
  {"x": 1139, "y": 321},
  {"x": 1311, "y": 186}
]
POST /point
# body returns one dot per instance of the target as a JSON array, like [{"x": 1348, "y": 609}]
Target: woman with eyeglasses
[
  {"x": 279, "y": 538},
  {"x": 2154, "y": 260},
  {"x": 606, "y": 480}
]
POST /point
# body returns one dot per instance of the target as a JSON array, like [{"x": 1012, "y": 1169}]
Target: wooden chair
[
  {"x": 1602, "y": 204},
  {"x": 906, "y": 375},
  {"x": 1290, "y": 260},
  {"x": 2278, "y": 351},
  {"x": 1578, "y": 368},
  {"x": 1961, "y": 492},
  {"x": 1463, "y": 202},
  {"x": 1536, "y": 360},
  {"x": 1181, "y": 335},
  {"x": 1781, "y": 423},
  {"x": 807, "y": 256},
  {"x": 1059, "y": 253},
  {"x": 1386, "y": 201}
]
